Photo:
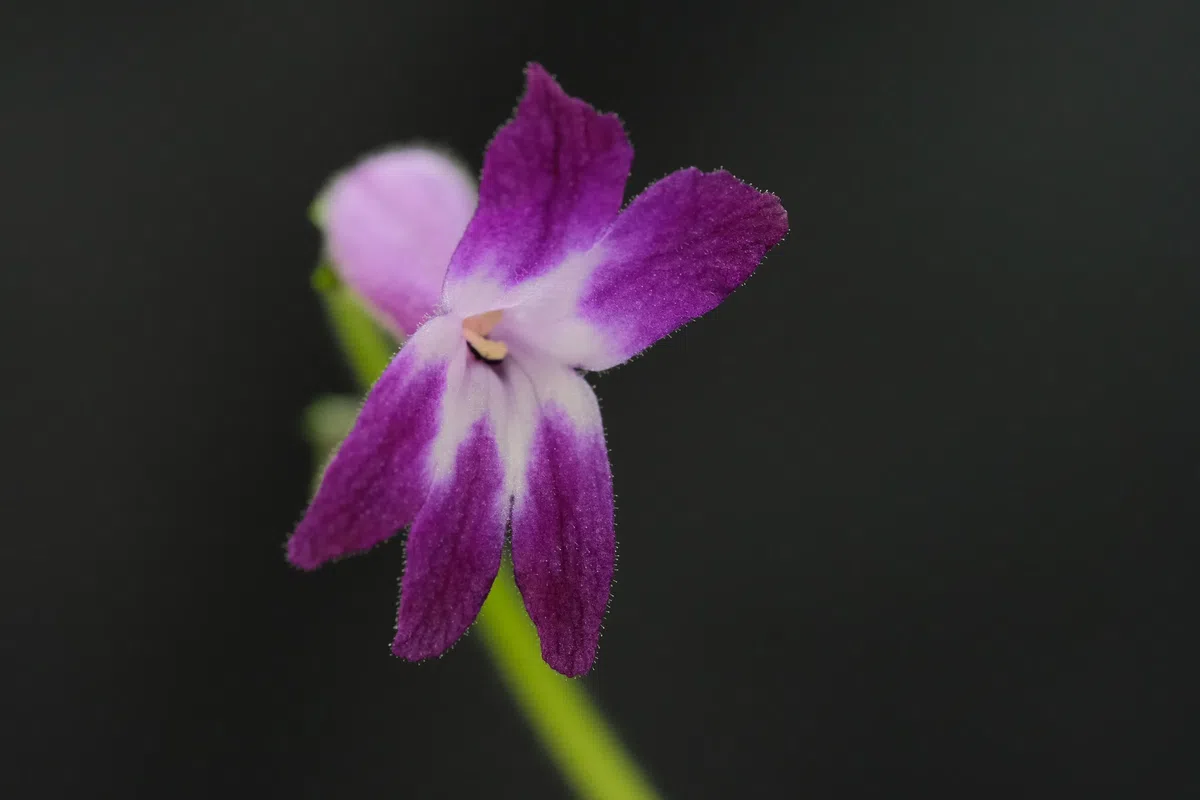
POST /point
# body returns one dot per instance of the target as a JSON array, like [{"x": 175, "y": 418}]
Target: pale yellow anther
[
  {"x": 483, "y": 323},
  {"x": 475, "y": 331}
]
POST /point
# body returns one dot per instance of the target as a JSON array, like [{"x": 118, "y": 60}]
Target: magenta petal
[
  {"x": 379, "y": 478},
  {"x": 563, "y": 545},
  {"x": 679, "y": 249},
  {"x": 553, "y": 180},
  {"x": 453, "y": 550},
  {"x": 392, "y": 222}
]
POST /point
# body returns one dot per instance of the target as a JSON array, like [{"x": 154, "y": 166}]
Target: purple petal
[
  {"x": 391, "y": 224},
  {"x": 562, "y": 531},
  {"x": 453, "y": 550},
  {"x": 553, "y": 180},
  {"x": 679, "y": 249},
  {"x": 379, "y": 478}
]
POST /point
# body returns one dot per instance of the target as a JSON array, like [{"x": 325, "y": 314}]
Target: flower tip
[
  {"x": 779, "y": 214},
  {"x": 535, "y": 68},
  {"x": 539, "y": 82},
  {"x": 300, "y": 554},
  {"x": 568, "y": 661},
  {"x": 780, "y": 218},
  {"x": 413, "y": 649},
  {"x": 569, "y": 669}
]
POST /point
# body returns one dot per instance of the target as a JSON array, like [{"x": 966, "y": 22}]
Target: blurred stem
[
  {"x": 579, "y": 740},
  {"x": 365, "y": 346}
]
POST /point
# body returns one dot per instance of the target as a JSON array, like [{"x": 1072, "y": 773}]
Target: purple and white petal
[
  {"x": 453, "y": 550},
  {"x": 381, "y": 474},
  {"x": 553, "y": 181},
  {"x": 563, "y": 547},
  {"x": 680, "y": 248},
  {"x": 392, "y": 222},
  {"x": 674, "y": 254}
]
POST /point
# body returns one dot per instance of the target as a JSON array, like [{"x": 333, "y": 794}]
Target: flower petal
[
  {"x": 380, "y": 476},
  {"x": 553, "y": 180},
  {"x": 674, "y": 254},
  {"x": 453, "y": 550},
  {"x": 563, "y": 545},
  {"x": 391, "y": 223}
]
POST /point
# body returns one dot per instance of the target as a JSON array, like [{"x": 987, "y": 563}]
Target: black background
[{"x": 908, "y": 513}]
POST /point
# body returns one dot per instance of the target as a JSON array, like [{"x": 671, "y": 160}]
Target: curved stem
[{"x": 577, "y": 737}]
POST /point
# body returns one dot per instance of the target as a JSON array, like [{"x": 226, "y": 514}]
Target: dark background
[{"x": 908, "y": 513}]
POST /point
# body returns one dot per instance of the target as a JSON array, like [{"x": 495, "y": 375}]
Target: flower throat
[{"x": 476, "y": 330}]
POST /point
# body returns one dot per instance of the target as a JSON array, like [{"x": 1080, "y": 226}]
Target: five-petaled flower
[{"x": 482, "y": 420}]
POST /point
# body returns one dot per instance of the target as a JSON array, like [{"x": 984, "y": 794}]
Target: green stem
[
  {"x": 574, "y": 732},
  {"x": 572, "y": 729},
  {"x": 363, "y": 343}
]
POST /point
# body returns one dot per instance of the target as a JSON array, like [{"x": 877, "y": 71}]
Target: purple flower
[{"x": 482, "y": 420}]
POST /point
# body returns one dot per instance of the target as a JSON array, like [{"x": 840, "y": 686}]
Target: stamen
[
  {"x": 483, "y": 323},
  {"x": 475, "y": 331}
]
